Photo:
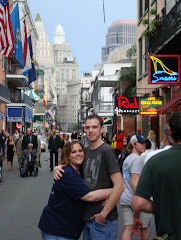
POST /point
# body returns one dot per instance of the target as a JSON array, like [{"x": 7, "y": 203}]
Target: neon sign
[
  {"x": 164, "y": 69},
  {"x": 150, "y": 105},
  {"x": 127, "y": 105}
]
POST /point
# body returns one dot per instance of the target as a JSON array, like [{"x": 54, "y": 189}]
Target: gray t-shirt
[
  {"x": 132, "y": 164},
  {"x": 98, "y": 166}
]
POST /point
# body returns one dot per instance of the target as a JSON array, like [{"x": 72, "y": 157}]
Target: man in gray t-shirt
[{"x": 132, "y": 168}]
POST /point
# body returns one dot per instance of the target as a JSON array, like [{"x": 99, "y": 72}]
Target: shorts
[{"x": 128, "y": 212}]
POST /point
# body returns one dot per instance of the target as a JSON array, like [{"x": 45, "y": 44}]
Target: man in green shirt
[{"x": 161, "y": 178}]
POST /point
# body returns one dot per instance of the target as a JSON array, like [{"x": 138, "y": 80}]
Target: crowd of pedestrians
[{"x": 89, "y": 182}]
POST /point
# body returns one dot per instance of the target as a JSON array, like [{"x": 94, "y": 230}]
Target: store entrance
[{"x": 155, "y": 127}]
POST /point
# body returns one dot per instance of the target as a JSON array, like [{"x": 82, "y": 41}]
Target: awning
[{"x": 163, "y": 109}]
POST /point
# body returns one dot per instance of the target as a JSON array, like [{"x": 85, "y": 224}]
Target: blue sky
[{"x": 83, "y": 23}]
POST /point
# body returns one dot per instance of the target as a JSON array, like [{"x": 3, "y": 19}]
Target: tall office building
[
  {"x": 44, "y": 57},
  {"x": 66, "y": 69},
  {"x": 120, "y": 33}
]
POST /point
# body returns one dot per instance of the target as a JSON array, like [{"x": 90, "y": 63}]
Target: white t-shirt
[
  {"x": 132, "y": 164},
  {"x": 144, "y": 154},
  {"x": 151, "y": 154}
]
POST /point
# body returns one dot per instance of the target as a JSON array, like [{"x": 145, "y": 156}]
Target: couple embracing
[{"x": 77, "y": 201}]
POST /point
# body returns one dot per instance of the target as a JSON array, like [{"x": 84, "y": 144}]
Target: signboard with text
[
  {"x": 164, "y": 69},
  {"x": 127, "y": 105},
  {"x": 150, "y": 105}
]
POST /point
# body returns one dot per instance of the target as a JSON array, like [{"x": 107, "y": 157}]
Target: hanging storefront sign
[
  {"x": 164, "y": 69},
  {"x": 127, "y": 105},
  {"x": 107, "y": 121},
  {"x": 150, "y": 105}
]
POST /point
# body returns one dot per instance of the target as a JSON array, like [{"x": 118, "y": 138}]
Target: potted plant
[
  {"x": 145, "y": 21},
  {"x": 148, "y": 33},
  {"x": 153, "y": 11}
]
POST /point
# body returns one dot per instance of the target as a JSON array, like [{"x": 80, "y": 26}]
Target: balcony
[
  {"x": 15, "y": 77},
  {"x": 22, "y": 98},
  {"x": 104, "y": 109},
  {"x": 4, "y": 94},
  {"x": 170, "y": 31}
]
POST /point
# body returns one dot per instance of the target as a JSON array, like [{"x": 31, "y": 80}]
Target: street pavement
[{"x": 23, "y": 199}]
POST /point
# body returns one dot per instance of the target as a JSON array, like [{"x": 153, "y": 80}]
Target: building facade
[
  {"x": 120, "y": 33},
  {"x": 164, "y": 41},
  {"x": 66, "y": 70}
]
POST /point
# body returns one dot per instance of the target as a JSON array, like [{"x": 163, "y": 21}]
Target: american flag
[
  {"x": 50, "y": 112},
  {"x": 6, "y": 32}
]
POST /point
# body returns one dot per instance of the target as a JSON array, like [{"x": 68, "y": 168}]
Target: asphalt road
[{"x": 23, "y": 199}]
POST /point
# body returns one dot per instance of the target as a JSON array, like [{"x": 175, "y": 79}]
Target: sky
[{"x": 83, "y": 24}]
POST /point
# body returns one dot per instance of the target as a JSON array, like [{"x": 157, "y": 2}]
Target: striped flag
[
  {"x": 26, "y": 50},
  {"x": 6, "y": 32},
  {"x": 51, "y": 113}
]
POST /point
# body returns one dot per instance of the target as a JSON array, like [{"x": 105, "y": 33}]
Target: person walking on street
[
  {"x": 161, "y": 179},
  {"x": 2, "y": 143},
  {"x": 119, "y": 146},
  {"x": 101, "y": 171},
  {"x": 132, "y": 168},
  {"x": 29, "y": 138},
  {"x": 11, "y": 149},
  {"x": 152, "y": 138},
  {"x": 19, "y": 148},
  {"x": 38, "y": 163},
  {"x": 54, "y": 147}
]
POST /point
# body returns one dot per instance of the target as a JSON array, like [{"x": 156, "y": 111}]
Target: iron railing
[
  {"x": 22, "y": 98},
  {"x": 4, "y": 92},
  {"x": 170, "y": 24},
  {"x": 14, "y": 69}
]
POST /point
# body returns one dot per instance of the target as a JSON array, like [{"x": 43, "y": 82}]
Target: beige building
[
  {"x": 118, "y": 54},
  {"x": 165, "y": 40},
  {"x": 66, "y": 70}
]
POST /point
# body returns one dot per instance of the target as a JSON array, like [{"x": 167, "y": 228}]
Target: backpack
[{"x": 122, "y": 157}]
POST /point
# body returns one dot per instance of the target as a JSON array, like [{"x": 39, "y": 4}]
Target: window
[
  {"x": 146, "y": 4},
  {"x": 140, "y": 56},
  {"x": 146, "y": 55},
  {"x": 140, "y": 8}
]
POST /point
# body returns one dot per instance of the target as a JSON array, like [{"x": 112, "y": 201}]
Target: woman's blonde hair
[
  {"x": 66, "y": 151},
  {"x": 151, "y": 135}
]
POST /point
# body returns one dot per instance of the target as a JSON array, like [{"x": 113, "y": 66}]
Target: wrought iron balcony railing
[
  {"x": 4, "y": 93},
  {"x": 170, "y": 25},
  {"x": 22, "y": 98}
]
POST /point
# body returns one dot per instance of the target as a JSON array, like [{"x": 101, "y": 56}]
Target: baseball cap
[
  {"x": 139, "y": 130},
  {"x": 137, "y": 138},
  {"x": 166, "y": 132}
]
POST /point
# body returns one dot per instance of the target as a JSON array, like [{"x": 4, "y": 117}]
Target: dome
[{"x": 59, "y": 28}]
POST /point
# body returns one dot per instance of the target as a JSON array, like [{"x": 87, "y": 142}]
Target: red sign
[{"x": 127, "y": 105}]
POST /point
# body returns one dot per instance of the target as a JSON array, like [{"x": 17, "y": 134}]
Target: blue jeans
[
  {"x": 96, "y": 231},
  {"x": 46, "y": 236}
]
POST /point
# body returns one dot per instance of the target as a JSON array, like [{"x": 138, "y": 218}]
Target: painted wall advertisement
[
  {"x": 150, "y": 105},
  {"x": 127, "y": 105},
  {"x": 164, "y": 69}
]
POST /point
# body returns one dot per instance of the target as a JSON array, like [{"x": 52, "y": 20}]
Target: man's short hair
[
  {"x": 95, "y": 116},
  {"x": 175, "y": 126},
  {"x": 30, "y": 145}
]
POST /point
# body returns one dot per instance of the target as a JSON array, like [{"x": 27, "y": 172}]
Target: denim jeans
[
  {"x": 96, "y": 231},
  {"x": 46, "y": 236}
]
